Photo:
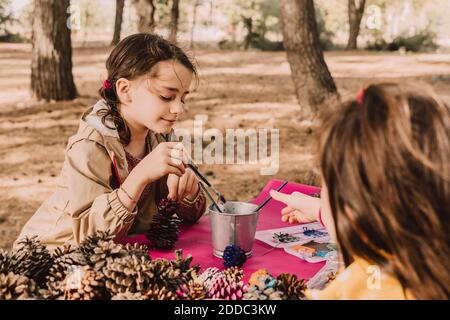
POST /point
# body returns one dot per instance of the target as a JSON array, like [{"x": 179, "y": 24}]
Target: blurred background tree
[
  {"x": 195, "y": 6},
  {"x": 253, "y": 24},
  {"x": 355, "y": 14},
  {"x": 5, "y": 15},
  {"x": 174, "y": 16},
  {"x": 314, "y": 85},
  {"x": 145, "y": 9},
  {"x": 382, "y": 25},
  {"x": 51, "y": 65},
  {"x": 118, "y": 21}
]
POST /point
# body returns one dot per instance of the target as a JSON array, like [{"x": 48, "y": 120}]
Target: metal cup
[{"x": 236, "y": 225}]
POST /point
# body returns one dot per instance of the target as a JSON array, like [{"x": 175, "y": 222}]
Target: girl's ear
[{"x": 123, "y": 90}]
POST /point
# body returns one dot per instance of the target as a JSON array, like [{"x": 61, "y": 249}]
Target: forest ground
[{"x": 247, "y": 90}]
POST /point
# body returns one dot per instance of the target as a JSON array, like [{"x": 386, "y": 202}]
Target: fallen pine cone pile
[{"x": 100, "y": 269}]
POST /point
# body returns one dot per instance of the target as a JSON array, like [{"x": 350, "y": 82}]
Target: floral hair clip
[
  {"x": 360, "y": 96},
  {"x": 107, "y": 85}
]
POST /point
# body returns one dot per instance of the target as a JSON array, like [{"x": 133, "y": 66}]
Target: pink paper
[{"x": 196, "y": 240}]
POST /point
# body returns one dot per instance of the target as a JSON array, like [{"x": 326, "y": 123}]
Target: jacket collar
[{"x": 95, "y": 121}]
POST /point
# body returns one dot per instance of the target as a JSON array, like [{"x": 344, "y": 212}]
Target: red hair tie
[
  {"x": 360, "y": 96},
  {"x": 107, "y": 85}
]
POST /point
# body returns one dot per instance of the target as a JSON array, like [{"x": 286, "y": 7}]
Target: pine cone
[
  {"x": 191, "y": 291},
  {"x": 228, "y": 290},
  {"x": 153, "y": 293},
  {"x": 254, "y": 278},
  {"x": 164, "y": 231},
  {"x": 266, "y": 289},
  {"x": 127, "y": 273},
  {"x": 4, "y": 261},
  {"x": 84, "y": 283},
  {"x": 234, "y": 274},
  {"x": 127, "y": 295},
  {"x": 181, "y": 263},
  {"x": 165, "y": 275},
  {"x": 103, "y": 250},
  {"x": 292, "y": 288},
  {"x": 65, "y": 259},
  {"x": 209, "y": 277},
  {"x": 168, "y": 206},
  {"x": 233, "y": 256},
  {"x": 160, "y": 293},
  {"x": 187, "y": 271},
  {"x": 30, "y": 259},
  {"x": 91, "y": 242},
  {"x": 137, "y": 250},
  {"x": 17, "y": 287}
]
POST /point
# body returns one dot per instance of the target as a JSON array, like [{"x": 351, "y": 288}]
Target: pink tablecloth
[{"x": 196, "y": 240}]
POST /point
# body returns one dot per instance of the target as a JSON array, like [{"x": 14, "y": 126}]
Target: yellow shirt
[{"x": 361, "y": 281}]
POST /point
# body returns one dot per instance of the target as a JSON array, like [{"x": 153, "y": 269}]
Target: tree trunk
[
  {"x": 51, "y": 62},
  {"x": 145, "y": 10},
  {"x": 194, "y": 21},
  {"x": 118, "y": 22},
  {"x": 211, "y": 10},
  {"x": 313, "y": 83},
  {"x": 355, "y": 14},
  {"x": 248, "y": 24},
  {"x": 173, "y": 26}
]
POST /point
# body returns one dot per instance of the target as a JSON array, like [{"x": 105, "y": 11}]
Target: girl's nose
[{"x": 177, "y": 108}]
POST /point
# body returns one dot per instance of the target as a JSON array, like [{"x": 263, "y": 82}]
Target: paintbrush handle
[
  {"x": 210, "y": 197},
  {"x": 198, "y": 174},
  {"x": 270, "y": 197},
  {"x": 194, "y": 168},
  {"x": 203, "y": 178}
]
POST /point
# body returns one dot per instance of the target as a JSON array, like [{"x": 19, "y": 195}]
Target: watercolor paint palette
[
  {"x": 310, "y": 242},
  {"x": 312, "y": 251}
]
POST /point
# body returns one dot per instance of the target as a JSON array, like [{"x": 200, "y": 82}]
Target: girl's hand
[
  {"x": 301, "y": 208},
  {"x": 182, "y": 187},
  {"x": 167, "y": 158}
]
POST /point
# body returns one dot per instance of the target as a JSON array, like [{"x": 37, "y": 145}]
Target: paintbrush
[
  {"x": 194, "y": 168},
  {"x": 210, "y": 197},
  {"x": 203, "y": 178},
  {"x": 270, "y": 197}
]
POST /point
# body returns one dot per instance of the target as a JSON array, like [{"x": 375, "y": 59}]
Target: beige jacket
[{"x": 85, "y": 199}]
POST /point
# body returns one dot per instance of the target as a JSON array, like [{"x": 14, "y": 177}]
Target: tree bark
[
  {"x": 145, "y": 10},
  {"x": 355, "y": 14},
  {"x": 314, "y": 85},
  {"x": 118, "y": 22},
  {"x": 51, "y": 62},
  {"x": 194, "y": 21},
  {"x": 248, "y": 23},
  {"x": 173, "y": 26}
]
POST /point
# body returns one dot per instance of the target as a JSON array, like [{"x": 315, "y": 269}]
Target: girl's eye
[{"x": 166, "y": 98}]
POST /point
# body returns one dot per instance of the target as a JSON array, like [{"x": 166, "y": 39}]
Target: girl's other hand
[
  {"x": 167, "y": 158},
  {"x": 182, "y": 187},
  {"x": 301, "y": 208}
]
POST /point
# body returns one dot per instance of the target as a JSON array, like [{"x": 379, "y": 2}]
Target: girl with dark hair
[{"x": 120, "y": 163}]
